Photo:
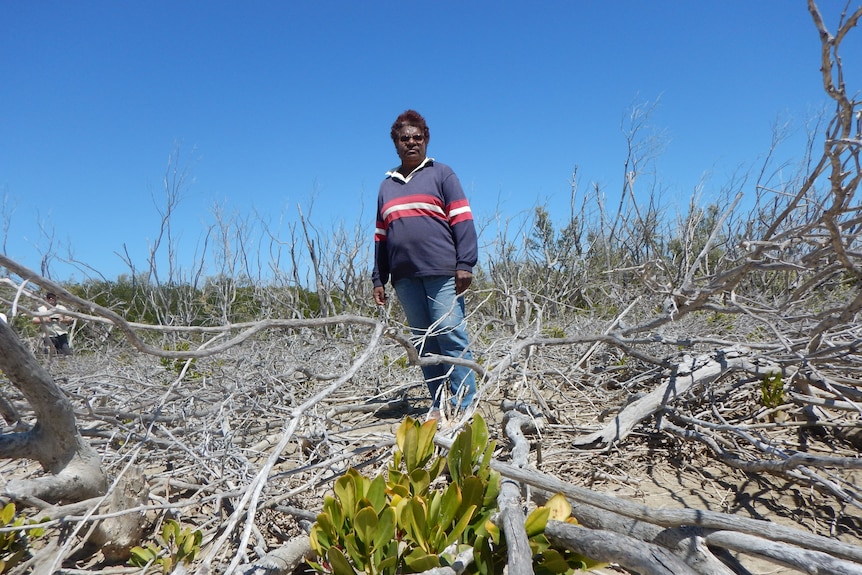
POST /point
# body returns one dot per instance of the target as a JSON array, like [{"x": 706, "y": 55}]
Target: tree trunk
[{"x": 54, "y": 441}]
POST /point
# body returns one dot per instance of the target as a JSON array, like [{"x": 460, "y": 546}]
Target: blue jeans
[{"x": 437, "y": 320}]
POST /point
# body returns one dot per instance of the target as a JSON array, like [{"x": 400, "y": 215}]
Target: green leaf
[
  {"x": 536, "y": 521},
  {"x": 140, "y": 556},
  {"x": 388, "y": 563},
  {"x": 401, "y": 433},
  {"x": 318, "y": 541},
  {"x": 411, "y": 443},
  {"x": 326, "y": 533},
  {"x": 376, "y": 493},
  {"x": 345, "y": 491},
  {"x": 493, "y": 531},
  {"x": 425, "y": 442},
  {"x": 385, "y": 528},
  {"x": 187, "y": 547},
  {"x": 395, "y": 477},
  {"x": 356, "y": 553},
  {"x": 405, "y": 438},
  {"x": 434, "y": 504},
  {"x": 485, "y": 463},
  {"x": 333, "y": 509},
  {"x": 38, "y": 531},
  {"x": 479, "y": 436},
  {"x": 539, "y": 544},
  {"x": 449, "y": 504},
  {"x": 365, "y": 525},
  {"x": 437, "y": 467},
  {"x": 455, "y": 458},
  {"x": 170, "y": 530},
  {"x": 395, "y": 464},
  {"x": 459, "y": 528},
  {"x": 360, "y": 483},
  {"x": 419, "y": 481},
  {"x": 492, "y": 488},
  {"x": 399, "y": 484},
  {"x": 472, "y": 493},
  {"x": 191, "y": 541},
  {"x": 412, "y": 520},
  {"x": 7, "y": 514},
  {"x": 418, "y": 561},
  {"x": 554, "y": 562},
  {"x": 483, "y": 557},
  {"x": 339, "y": 563}
]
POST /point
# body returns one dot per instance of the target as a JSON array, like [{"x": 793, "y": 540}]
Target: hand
[
  {"x": 380, "y": 295},
  {"x": 463, "y": 279}
]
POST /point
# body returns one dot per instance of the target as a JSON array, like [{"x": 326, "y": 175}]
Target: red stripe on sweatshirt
[
  {"x": 459, "y": 211},
  {"x": 412, "y": 206}
]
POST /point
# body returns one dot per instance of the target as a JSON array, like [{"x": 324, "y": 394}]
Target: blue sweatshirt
[{"x": 424, "y": 225}]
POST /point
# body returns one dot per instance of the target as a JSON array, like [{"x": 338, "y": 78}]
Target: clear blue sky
[{"x": 274, "y": 103}]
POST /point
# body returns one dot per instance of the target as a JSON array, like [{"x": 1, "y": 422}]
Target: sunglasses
[{"x": 418, "y": 138}]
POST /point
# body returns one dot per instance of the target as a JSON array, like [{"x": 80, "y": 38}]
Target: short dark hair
[
  {"x": 409, "y": 118},
  {"x": 50, "y": 295}
]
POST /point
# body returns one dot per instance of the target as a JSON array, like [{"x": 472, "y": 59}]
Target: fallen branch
[
  {"x": 692, "y": 372},
  {"x": 683, "y": 517},
  {"x": 608, "y": 546}
]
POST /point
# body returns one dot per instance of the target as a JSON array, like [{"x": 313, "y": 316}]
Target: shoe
[{"x": 434, "y": 414}]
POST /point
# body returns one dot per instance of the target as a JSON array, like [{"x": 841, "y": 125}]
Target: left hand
[{"x": 463, "y": 279}]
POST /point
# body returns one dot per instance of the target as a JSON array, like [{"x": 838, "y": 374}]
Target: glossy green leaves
[
  {"x": 413, "y": 520},
  {"x": 15, "y": 544},
  {"x": 409, "y": 521},
  {"x": 355, "y": 532}
]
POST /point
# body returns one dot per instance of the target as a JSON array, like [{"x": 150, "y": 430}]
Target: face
[
  {"x": 51, "y": 300},
  {"x": 411, "y": 146}
]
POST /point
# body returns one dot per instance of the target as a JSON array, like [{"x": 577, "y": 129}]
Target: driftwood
[
  {"x": 689, "y": 517},
  {"x": 814, "y": 562},
  {"x": 280, "y": 561},
  {"x": 511, "y": 514},
  {"x": 687, "y": 544},
  {"x": 608, "y": 546}
]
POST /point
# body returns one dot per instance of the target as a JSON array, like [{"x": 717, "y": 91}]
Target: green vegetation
[
  {"x": 401, "y": 361},
  {"x": 772, "y": 390},
  {"x": 14, "y": 541},
  {"x": 177, "y": 365},
  {"x": 175, "y": 545},
  {"x": 720, "y": 322},
  {"x": 554, "y": 331},
  {"x": 413, "y": 519}
]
